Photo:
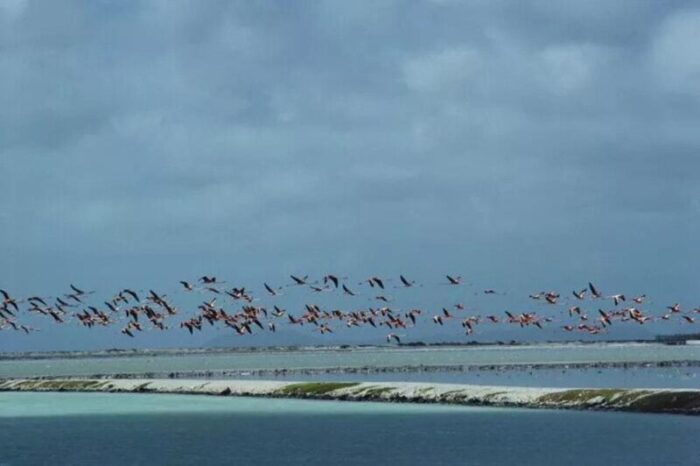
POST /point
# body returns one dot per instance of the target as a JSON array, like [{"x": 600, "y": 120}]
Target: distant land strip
[
  {"x": 669, "y": 401},
  {"x": 151, "y": 352},
  {"x": 422, "y": 368}
]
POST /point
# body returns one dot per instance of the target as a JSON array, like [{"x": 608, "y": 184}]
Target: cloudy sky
[{"x": 526, "y": 145}]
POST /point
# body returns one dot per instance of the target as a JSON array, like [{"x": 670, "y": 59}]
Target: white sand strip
[{"x": 681, "y": 401}]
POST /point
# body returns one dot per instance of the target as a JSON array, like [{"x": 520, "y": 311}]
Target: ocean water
[
  {"x": 131, "y": 429},
  {"x": 355, "y": 358}
]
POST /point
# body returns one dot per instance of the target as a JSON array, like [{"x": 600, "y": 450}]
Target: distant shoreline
[
  {"x": 366, "y": 370},
  {"x": 146, "y": 352}
]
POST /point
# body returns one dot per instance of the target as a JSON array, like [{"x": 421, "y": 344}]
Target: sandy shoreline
[{"x": 671, "y": 401}]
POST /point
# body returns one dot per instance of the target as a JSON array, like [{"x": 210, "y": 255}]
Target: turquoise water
[
  {"x": 379, "y": 357},
  {"x": 117, "y": 429}
]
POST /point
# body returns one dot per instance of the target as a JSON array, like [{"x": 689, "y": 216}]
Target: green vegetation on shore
[
  {"x": 313, "y": 388},
  {"x": 626, "y": 400}
]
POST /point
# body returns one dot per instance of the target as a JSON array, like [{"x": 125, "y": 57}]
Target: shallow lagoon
[
  {"x": 509, "y": 366},
  {"x": 633, "y": 377},
  {"x": 353, "y": 359}
]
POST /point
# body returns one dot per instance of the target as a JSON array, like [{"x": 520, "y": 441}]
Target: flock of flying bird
[{"x": 134, "y": 311}]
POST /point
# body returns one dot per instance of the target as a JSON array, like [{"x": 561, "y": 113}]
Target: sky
[{"x": 526, "y": 145}]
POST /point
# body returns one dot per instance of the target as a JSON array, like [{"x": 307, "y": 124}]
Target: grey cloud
[
  {"x": 350, "y": 134},
  {"x": 675, "y": 61}
]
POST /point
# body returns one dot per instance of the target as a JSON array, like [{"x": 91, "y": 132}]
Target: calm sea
[{"x": 129, "y": 429}]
